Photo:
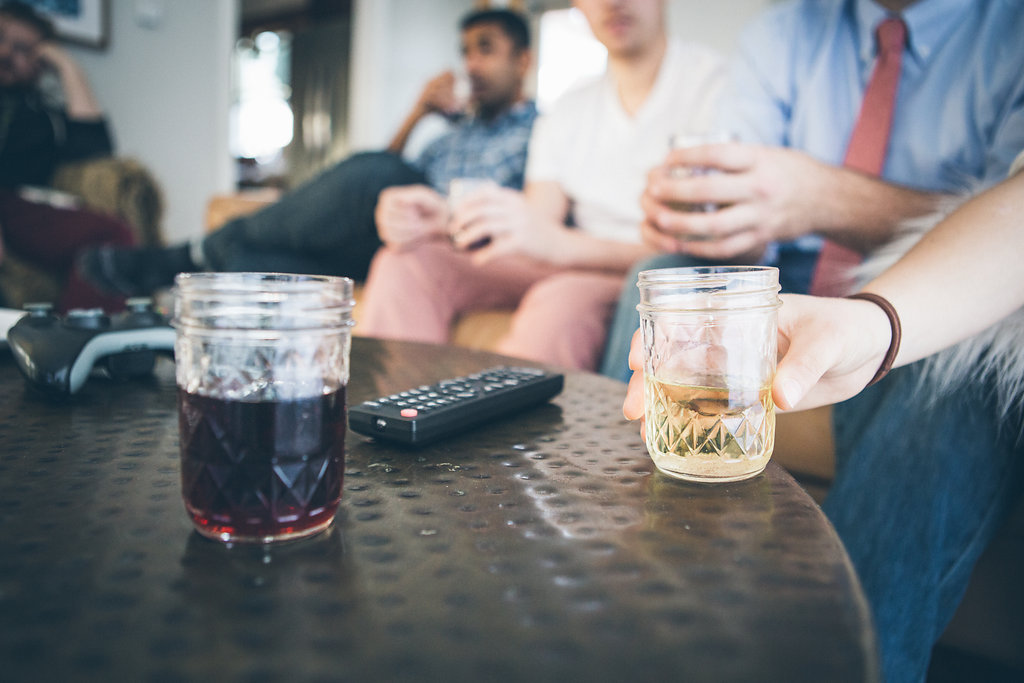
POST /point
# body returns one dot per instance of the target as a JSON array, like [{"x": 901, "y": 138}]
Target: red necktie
[{"x": 866, "y": 149}]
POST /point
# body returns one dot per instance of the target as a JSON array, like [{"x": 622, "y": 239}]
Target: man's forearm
[
  {"x": 962, "y": 276},
  {"x": 80, "y": 102},
  {"x": 397, "y": 144},
  {"x": 576, "y": 249},
  {"x": 862, "y": 212}
]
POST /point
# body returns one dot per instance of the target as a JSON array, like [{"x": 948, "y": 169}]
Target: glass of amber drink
[{"x": 709, "y": 347}]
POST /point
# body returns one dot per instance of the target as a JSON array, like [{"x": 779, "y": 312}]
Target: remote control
[
  {"x": 430, "y": 412},
  {"x": 58, "y": 353}
]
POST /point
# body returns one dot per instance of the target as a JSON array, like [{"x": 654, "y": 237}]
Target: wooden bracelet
[{"x": 897, "y": 331}]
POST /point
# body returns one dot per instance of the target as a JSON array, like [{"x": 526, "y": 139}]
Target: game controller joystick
[{"x": 57, "y": 354}]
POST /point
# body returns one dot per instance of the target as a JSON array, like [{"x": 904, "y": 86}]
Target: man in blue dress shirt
[
  {"x": 923, "y": 477},
  {"x": 794, "y": 92}
]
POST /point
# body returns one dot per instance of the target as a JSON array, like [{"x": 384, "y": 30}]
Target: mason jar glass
[
  {"x": 709, "y": 339},
  {"x": 262, "y": 364}
]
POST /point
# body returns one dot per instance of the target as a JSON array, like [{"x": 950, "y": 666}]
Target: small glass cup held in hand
[
  {"x": 709, "y": 353},
  {"x": 459, "y": 189},
  {"x": 262, "y": 364},
  {"x": 462, "y": 92},
  {"x": 685, "y": 140}
]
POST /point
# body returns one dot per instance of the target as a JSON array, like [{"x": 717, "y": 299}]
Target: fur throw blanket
[
  {"x": 118, "y": 186},
  {"x": 994, "y": 356}
]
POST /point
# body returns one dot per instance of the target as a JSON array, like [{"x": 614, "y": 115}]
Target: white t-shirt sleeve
[{"x": 542, "y": 157}]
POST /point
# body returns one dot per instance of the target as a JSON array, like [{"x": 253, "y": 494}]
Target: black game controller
[{"x": 57, "y": 354}]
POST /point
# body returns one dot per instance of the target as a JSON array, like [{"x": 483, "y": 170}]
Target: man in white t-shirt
[{"x": 558, "y": 251}]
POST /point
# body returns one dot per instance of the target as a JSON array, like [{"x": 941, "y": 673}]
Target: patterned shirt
[{"x": 482, "y": 149}]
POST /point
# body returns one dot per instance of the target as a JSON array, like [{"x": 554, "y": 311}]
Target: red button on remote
[{"x": 409, "y": 412}]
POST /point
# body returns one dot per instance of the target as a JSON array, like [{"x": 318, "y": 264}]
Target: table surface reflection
[{"x": 543, "y": 547}]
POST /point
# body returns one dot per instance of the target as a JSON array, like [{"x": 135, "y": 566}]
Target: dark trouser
[
  {"x": 51, "y": 238},
  {"x": 324, "y": 227},
  {"x": 923, "y": 482}
]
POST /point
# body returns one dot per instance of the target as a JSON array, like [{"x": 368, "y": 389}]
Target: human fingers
[
  {"x": 439, "y": 92},
  {"x": 688, "y": 189},
  {"x": 466, "y": 216},
  {"x": 663, "y": 224},
  {"x": 633, "y": 405},
  {"x": 418, "y": 194},
  {"x": 48, "y": 52},
  {"x": 658, "y": 240},
  {"x": 807, "y": 352},
  {"x": 496, "y": 209},
  {"x": 724, "y": 235},
  {"x": 730, "y": 157},
  {"x": 472, "y": 238},
  {"x": 832, "y": 349},
  {"x": 396, "y": 227}
]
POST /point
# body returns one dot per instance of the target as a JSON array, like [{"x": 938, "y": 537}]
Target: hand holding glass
[
  {"x": 460, "y": 189},
  {"x": 686, "y": 140}
]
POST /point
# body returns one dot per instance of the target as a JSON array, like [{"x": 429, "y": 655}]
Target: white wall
[
  {"x": 165, "y": 84},
  {"x": 397, "y": 45}
]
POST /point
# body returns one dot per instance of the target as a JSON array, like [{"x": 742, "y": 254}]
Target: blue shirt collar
[{"x": 928, "y": 22}]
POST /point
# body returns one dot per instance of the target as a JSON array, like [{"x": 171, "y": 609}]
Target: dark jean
[
  {"x": 324, "y": 227},
  {"x": 795, "y": 270},
  {"x": 923, "y": 481}
]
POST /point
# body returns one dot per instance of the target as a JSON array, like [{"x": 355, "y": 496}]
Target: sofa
[{"x": 119, "y": 186}]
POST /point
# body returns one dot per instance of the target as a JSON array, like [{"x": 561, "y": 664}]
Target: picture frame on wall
[{"x": 84, "y": 22}]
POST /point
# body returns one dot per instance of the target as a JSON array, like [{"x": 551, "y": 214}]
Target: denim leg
[
  {"x": 922, "y": 483},
  {"x": 324, "y": 226},
  {"x": 626, "y": 320}
]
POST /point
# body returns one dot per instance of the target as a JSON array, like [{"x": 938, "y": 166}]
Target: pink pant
[{"x": 561, "y": 316}]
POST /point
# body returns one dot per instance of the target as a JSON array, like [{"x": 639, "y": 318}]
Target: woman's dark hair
[
  {"x": 27, "y": 14},
  {"x": 512, "y": 24}
]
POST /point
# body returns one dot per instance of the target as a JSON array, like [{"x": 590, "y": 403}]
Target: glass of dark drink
[{"x": 262, "y": 367}]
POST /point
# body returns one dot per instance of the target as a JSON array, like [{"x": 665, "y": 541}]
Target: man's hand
[
  {"x": 765, "y": 194},
  {"x": 409, "y": 213},
  {"x": 80, "y": 101},
  {"x": 829, "y": 348},
  {"x": 633, "y": 406},
  {"x": 50, "y": 54},
  {"x": 439, "y": 96},
  {"x": 504, "y": 222}
]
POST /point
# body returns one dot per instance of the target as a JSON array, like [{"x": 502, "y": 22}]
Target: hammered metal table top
[{"x": 544, "y": 547}]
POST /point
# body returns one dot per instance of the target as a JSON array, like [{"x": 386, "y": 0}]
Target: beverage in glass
[
  {"x": 262, "y": 368},
  {"x": 685, "y": 140},
  {"x": 709, "y": 347},
  {"x": 460, "y": 189}
]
